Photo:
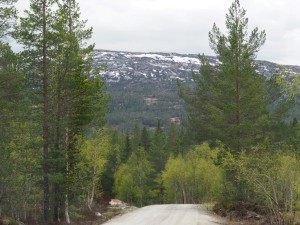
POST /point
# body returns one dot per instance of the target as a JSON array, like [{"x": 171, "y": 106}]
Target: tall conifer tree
[
  {"x": 69, "y": 94},
  {"x": 35, "y": 34},
  {"x": 228, "y": 102}
]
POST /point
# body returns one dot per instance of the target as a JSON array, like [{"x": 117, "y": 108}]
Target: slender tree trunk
[
  {"x": 69, "y": 170},
  {"x": 237, "y": 102},
  {"x": 141, "y": 186},
  {"x": 45, "y": 119},
  {"x": 58, "y": 145},
  {"x": 67, "y": 209},
  {"x": 183, "y": 194},
  {"x": 175, "y": 195},
  {"x": 56, "y": 203},
  {"x": 25, "y": 210},
  {"x": 67, "y": 216},
  {"x": 91, "y": 197}
]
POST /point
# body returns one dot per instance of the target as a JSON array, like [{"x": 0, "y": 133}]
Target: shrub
[
  {"x": 275, "y": 178},
  {"x": 193, "y": 178}
]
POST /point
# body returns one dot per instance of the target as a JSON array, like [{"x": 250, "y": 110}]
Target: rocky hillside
[{"x": 143, "y": 85}]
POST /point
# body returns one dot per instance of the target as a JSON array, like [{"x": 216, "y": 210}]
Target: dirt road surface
[{"x": 167, "y": 215}]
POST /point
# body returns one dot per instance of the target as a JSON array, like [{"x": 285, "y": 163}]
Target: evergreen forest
[{"x": 60, "y": 161}]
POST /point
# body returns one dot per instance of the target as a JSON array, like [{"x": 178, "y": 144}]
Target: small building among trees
[{"x": 150, "y": 100}]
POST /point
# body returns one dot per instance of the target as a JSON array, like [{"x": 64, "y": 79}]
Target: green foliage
[
  {"x": 275, "y": 179},
  {"x": 127, "y": 106},
  {"x": 127, "y": 148},
  {"x": 228, "y": 102},
  {"x": 173, "y": 140},
  {"x": 8, "y": 15},
  {"x": 12, "y": 93},
  {"x": 112, "y": 164},
  {"x": 94, "y": 152},
  {"x": 289, "y": 87},
  {"x": 145, "y": 139},
  {"x": 158, "y": 153},
  {"x": 193, "y": 178},
  {"x": 133, "y": 177},
  {"x": 56, "y": 152},
  {"x": 18, "y": 180},
  {"x": 67, "y": 96},
  {"x": 18, "y": 159}
]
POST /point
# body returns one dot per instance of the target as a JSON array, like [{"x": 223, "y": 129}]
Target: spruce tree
[
  {"x": 158, "y": 154},
  {"x": 173, "y": 139},
  {"x": 145, "y": 139},
  {"x": 127, "y": 148}
]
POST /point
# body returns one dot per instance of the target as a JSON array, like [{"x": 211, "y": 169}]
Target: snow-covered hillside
[{"x": 132, "y": 66}]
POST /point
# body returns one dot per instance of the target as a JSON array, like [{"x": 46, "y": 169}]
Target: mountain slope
[{"x": 143, "y": 85}]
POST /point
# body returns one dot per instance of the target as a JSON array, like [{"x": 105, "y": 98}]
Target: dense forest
[
  {"x": 59, "y": 158},
  {"x": 129, "y": 106}
]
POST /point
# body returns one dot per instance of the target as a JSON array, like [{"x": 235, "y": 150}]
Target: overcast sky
[{"x": 182, "y": 26}]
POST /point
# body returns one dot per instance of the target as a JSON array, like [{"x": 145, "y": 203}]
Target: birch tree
[{"x": 95, "y": 152}]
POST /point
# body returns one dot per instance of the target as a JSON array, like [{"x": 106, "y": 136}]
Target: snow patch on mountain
[{"x": 169, "y": 67}]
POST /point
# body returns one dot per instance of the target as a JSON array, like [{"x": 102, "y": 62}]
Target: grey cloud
[{"x": 183, "y": 25}]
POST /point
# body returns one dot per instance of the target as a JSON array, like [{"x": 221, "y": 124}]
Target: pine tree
[
  {"x": 228, "y": 102},
  {"x": 7, "y": 17},
  {"x": 69, "y": 95},
  {"x": 35, "y": 34},
  {"x": 79, "y": 94}
]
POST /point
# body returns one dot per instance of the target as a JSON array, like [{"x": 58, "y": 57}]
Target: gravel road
[{"x": 167, "y": 215}]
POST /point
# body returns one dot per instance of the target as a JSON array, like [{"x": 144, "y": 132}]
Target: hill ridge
[{"x": 131, "y": 76}]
